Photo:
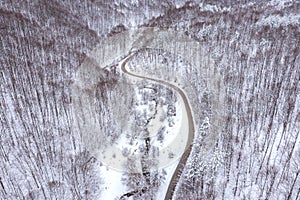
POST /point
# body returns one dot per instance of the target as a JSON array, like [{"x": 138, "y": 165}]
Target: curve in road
[{"x": 191, "y": 133}]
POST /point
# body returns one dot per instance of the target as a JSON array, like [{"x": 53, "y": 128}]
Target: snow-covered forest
[{"x": 249, "y": 110}]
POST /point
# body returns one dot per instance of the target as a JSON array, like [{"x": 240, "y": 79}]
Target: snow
[
  {"x": 174, "y": 143},
  {"x": 260, "y": 65},
  {"x": 213, "y": 8},
  {"x": 113, "y": 185},
  {"x": 115, "y": 188},
  {"x": 164, "y": 186},
  {"x": 276, "y": 20}
]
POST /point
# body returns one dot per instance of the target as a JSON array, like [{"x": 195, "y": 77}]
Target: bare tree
[{"x": 252, "y": 45}]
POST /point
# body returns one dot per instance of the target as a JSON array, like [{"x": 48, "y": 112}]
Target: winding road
[{"x": 191, "y": 132}]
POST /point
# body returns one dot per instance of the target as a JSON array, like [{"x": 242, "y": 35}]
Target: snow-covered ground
[
  {"x": 253, "y": 46},
  {"x": 169, "y": 148},
  {"x": 114, "y": 187}
]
